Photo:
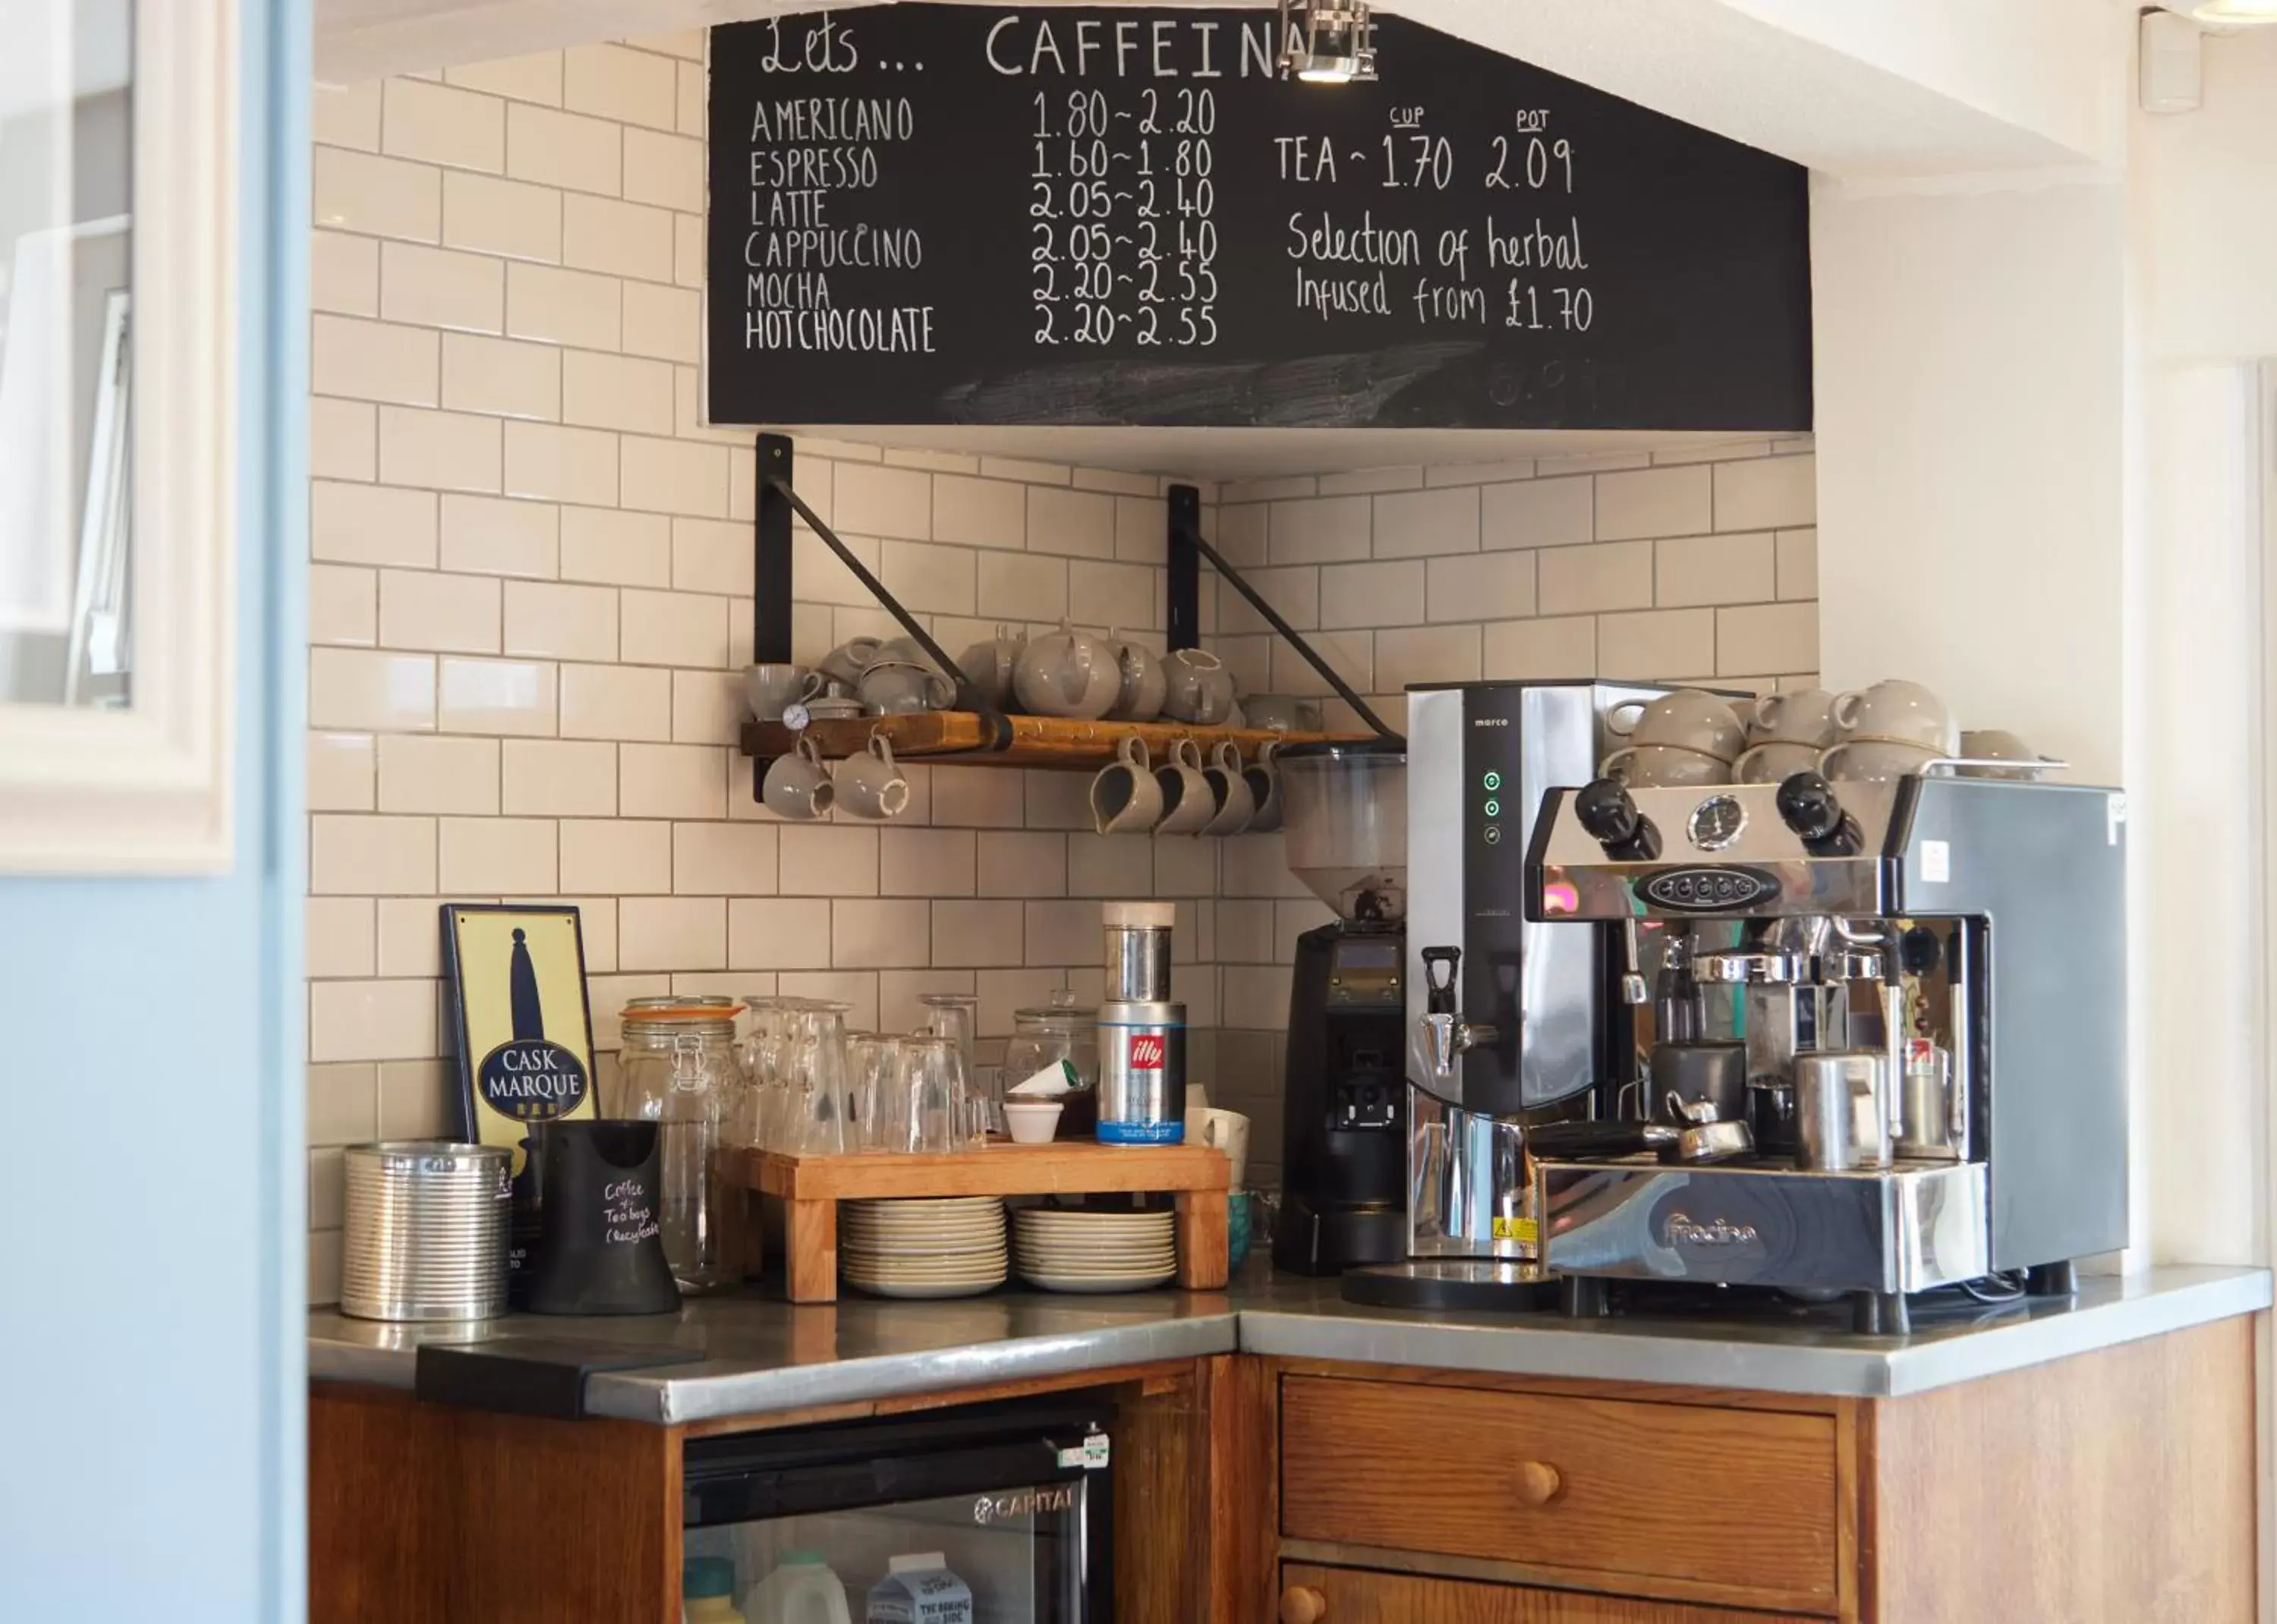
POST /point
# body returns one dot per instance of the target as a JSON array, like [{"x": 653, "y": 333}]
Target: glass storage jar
[
  {"x": 1058, "y": 1030},
  {"x": 681, "y": 1072}
]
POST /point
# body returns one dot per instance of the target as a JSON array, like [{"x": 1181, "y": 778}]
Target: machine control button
[
  {"x": 1493, "y": 834},
  {"x": 1493, "y": 780}
]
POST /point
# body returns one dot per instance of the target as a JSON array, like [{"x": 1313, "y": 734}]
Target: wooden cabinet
[
  {"x": 1315, "y": 1595},
  {"x": 2114, "y": 1484},
  {"x": 1738, "y": 1503}
]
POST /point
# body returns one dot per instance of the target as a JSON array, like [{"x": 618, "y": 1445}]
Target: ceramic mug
[
  {"x": 771, "y": 689},
  {"x": 869, "y": 785},
  {"x": 1804, "y": 716},
  {"x": 1687, "y": 720},
  {"x": 1775, "y": 763},
  {"x": 1996, "y": 744},
  {"x": 797, "y": 785},
  {"x": 1264, "y": 776},
  {"x": 1067, "y": 673},
  {"x": 988, "y": 666},
  {"x": 1187, "y": 804},
  {"x": 1140, "y": 699},
  {"x": 846, "y": 662},
  {"x": 1664, "y": 766},
  {"x": 1282, "y": 713},
  {"x": 1125, "y": 800},
  {"x": 895, "y": 688},
  {"x": 1223, "y": 1130},
  {"x": 1895, "y": 711},
  {"x": 1200, "y": 688},
  {"x": 1866, "y": 761},
  {"x": 1230, "y": 793}
]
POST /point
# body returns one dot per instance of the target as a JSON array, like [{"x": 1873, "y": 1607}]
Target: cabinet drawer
[
  {"x": 1352, "y": 1596},
  {"x": 1592, "y": 1490}
]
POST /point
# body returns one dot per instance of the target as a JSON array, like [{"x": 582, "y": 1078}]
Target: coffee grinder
[{"x": 1345, "y": 1122}]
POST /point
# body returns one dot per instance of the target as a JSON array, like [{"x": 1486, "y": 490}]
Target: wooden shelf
[
  {"x": 809, "y": 1188},
  {"x": 963, "y": 737}
]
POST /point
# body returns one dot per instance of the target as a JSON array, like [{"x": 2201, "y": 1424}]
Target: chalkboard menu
[{"x": 953, "y": 214}]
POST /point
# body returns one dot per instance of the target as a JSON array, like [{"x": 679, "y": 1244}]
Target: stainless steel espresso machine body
[
  {"x": 1928, "y": 976},
  {"x": 1502, "y": 1015}
]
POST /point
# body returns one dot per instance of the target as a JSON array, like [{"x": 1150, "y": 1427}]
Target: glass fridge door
[{"x": 903, "y": 1521}]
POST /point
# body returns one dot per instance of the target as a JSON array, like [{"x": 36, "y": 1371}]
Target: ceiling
[
  {"x": 1861, "y": 89},
  {"x": 1264, "y": 453}
]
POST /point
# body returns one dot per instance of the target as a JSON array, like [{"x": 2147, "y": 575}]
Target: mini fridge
[{"x": 1016, "y": 1499}]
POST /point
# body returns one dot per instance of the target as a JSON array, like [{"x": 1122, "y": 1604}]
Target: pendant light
[
  {"x": 2236, "y": 13},
  {"x": 1330, "y": 42}
]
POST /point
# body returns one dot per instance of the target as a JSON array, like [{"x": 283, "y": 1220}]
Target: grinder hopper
[{"x": 1344, "y": 825}]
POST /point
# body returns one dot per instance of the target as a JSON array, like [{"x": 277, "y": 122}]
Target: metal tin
[
  {"x": 427, "y": 1226},
  {"x": 1142, "y": 1073},
  {"x": 1139, "y": 949}
]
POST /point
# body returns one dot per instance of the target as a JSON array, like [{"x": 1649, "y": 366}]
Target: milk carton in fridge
[{"x": 919, "y": 1589}]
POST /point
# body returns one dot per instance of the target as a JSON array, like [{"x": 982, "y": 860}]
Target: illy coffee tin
[{"x": 1142, "y": 1073}]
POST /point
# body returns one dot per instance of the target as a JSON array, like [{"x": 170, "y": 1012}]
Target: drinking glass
[
  {"x": 872, "y": 1066},
  {"x": 932, "y": 1104},
  {"x": 956, "y": 1016},
  {"x": 813, "y": 1094}
]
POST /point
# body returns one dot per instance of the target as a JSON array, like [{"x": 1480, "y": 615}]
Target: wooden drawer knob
[
  {"x": 1538, "y": 1482},
  {"x": 1301, "y": 1603}
]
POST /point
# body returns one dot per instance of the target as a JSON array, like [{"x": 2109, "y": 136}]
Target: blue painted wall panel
[{"x": 152, "y": 1175}]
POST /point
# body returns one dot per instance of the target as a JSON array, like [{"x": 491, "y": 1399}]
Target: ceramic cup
[
  {"x": 1200, "y": 688},
  {"x": 1860, "y": 761},
  {"x": 1230, "y": 793},
  {"x": 1898, "y": 712},
  {"x": 770, "y": 688},
  {"x": 1664, "y": 766},
  {"x": 1264, "y": 776},
  {"x": 1775, "y": 763},
  {"x": 1282, "y": 713},
  {"x": 988, "y": 666},
  {"x": 1187, "y": 803},
  {"x": 846, "y": 662},
  {"x": 869, "y": 785},
  {"x": 1067, "y": 673},
  {"x": 1804, "y": 716},
  {"x": 1687, "y": 720},
  {"x": 1998, "y": 744},
  {"x": 797, "y": 785},
  {"x": 893, "y": 687},
  {"x": 1125, "y": 800},
  {"x": 1140, "y": 699},
  {"x": 827, "y": 708},
  {"x": 1223, "y": 1130}
]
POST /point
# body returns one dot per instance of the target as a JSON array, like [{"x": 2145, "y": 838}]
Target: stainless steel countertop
[{"x": 762, "y": 1355}]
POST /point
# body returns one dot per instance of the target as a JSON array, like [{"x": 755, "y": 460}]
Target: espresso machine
[
  {"x": 1871, "y": 1041},
  {"x": 1501, "y": 1015},
  {"x": 1344, "y": 1115}
]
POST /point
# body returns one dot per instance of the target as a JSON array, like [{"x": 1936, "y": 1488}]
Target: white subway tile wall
[{"x": 532, "y": 604}]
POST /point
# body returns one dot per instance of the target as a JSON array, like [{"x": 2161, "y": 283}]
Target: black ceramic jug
[{"x": 601, "y": 1251}]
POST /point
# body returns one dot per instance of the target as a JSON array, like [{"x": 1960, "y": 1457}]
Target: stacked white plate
[
  {"x": 950, "y": 1246},
  {"x": 1064, "y": 1249}
]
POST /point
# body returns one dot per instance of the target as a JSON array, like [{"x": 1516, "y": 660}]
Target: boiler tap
[{"x": 1446, "y": 1034}]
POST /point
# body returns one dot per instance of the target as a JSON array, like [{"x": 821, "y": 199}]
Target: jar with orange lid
[{"x": 680, "y": 1072}]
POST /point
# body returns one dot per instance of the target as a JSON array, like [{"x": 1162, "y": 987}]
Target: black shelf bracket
[
  {"x": 1188, "y": 551},
  {"x": 779, "y": 504}
]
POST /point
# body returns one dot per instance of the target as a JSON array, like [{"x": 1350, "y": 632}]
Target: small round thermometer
[{"x": 1715, "y": 822}]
